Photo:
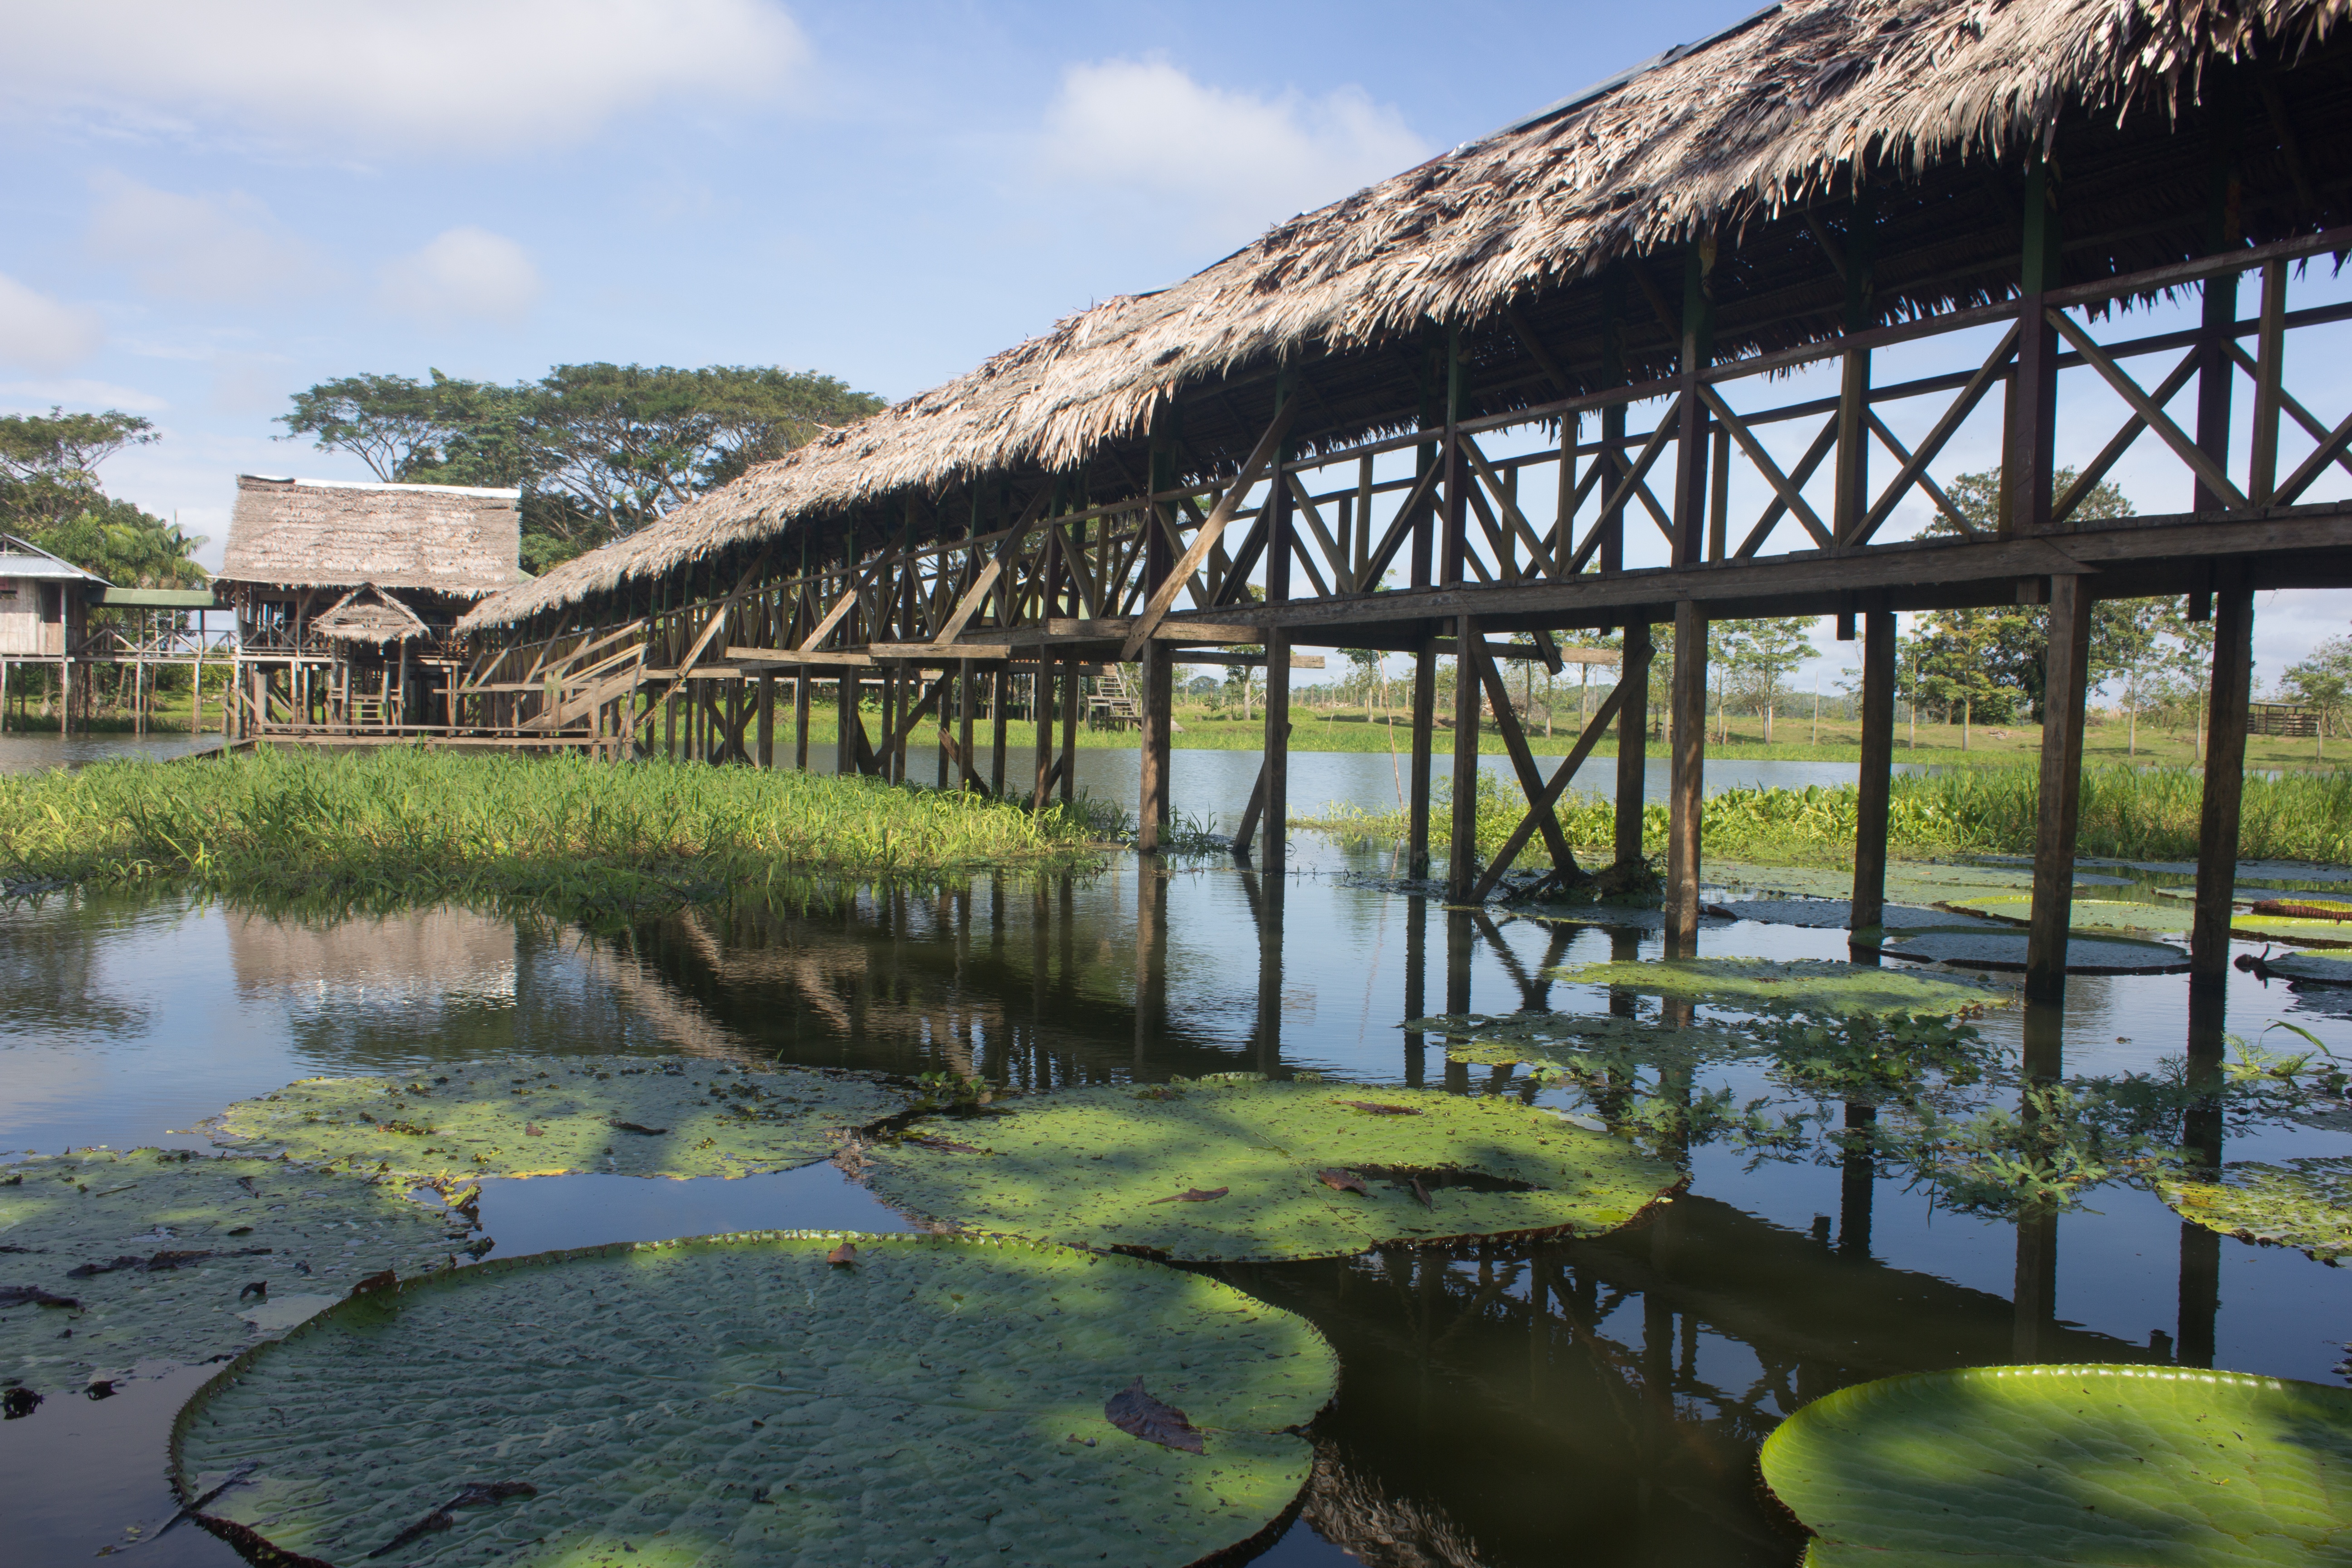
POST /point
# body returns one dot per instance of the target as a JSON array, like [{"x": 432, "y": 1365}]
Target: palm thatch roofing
[
  {"x": 369, "y": 615},
  {"x": 330, "y": 533},
  {"x": 1729, "y": 140}
]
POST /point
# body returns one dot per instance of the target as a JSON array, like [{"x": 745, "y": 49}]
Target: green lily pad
[
  {"x": 2082, "y": 914},
  {"x": 2305, "y": 1204},
  {"x": 1821, "y": 914},
  {"x": 632, "y": 1116},
  {"x": 170, "y": 1246},
  {"x": 2302, "y": 932},
  {"x": 1580, "y": 1039},
  {"x": 1231, "y": 1169},
  {"x": 1907, "y": 881},
  {"x": 744, "y": 1399},
  {"x": 2151, "y": 1466},
  {"x": 1974, "y": 948},
  {"x": 1813, "y": 984}
]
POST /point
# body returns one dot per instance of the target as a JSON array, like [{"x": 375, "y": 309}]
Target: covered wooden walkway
[{"x": 1644, "y": 360}]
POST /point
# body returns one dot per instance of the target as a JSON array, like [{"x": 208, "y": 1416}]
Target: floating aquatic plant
[
  {"x": 2005, "y": 949},
  {"x": 1811, "y": 985},
  {"x": 1231, "y": 1168},
  {"x": 2304, "y": 1203},
  {"x": 2082, "y": 914},
  {"x": 2302, "y": 932},
  {"x": 2056, "y": 1464},
  {"x": 540, "y": 1116},
  {"x": 152, "y": 1255},
  {"x": 748, "y": 1399}
]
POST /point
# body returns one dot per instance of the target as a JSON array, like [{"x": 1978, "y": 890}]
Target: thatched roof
[
  {"x": 330, "y": 533},
  {"x": 1713, "y": 139},
  {"x": 367, "y": 614}
]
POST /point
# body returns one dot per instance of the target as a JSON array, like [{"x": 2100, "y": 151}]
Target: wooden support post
[
  {"x": 2029, "y": 455},
  {"x": 1686, "y": 787},
  {"x": 1462, "y": 845},
  {"x": 1612, "y": 457},
  {"x": 1424, "y": 727},
  {"x": 1071, "y": 702},
  {"x": 2225, "y": 782},
  {"x": 1532, "y": 783},
  {"x": 845, "y": 744},
  {"x": 801, "y": 717},
  {"x": 766, "y": 721},
  {"x": 1001, "y": 686},
  {"x": 1691, "y": 436},
  {"x": 964, "y": 693},
  {"x": 1151, "y": 804},
  {"x": 1043, "y": 703},
  {"x": 1874, "y": 786},
  {"x": 1632, "y": 740},
  {"x": 2065, "y": 687},
  {"x": 1277, "y": 773}
]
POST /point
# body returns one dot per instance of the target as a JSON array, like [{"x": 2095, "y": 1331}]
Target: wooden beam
[
  {"x": 2188, "y": 451},
  {"x": 2065, "y": 687},
  {"x": 1548, "y": 798},
  {"x": 1523, "y": 763},
  {"x": 1791, "y": 496},
  {"x": 1156, "y": 607},
  {"x": 2225, "y": 784}
]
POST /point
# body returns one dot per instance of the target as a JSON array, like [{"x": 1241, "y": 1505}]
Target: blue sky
[{"x": 213, "y": 206}]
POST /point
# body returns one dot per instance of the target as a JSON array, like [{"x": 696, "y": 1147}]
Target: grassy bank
[
  {"x": 2128, "y": 813},
  {"x": 392, "y": 827}
]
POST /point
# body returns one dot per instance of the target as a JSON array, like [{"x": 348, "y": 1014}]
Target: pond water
[
  {"x": 1500, "y": 1405},
  {"x": 24, "y": 753}
]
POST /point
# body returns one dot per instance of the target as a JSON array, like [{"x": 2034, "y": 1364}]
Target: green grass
[
  {"x": 396, "y": 825},
  {"x": 2139, "y": 814}
]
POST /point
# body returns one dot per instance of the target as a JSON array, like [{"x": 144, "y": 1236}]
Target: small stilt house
[{"x": 345, "y": 596}]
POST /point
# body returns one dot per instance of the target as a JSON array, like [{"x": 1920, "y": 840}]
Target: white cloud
[
  {"x": 390, "y": 76},
  {"x": 463, "y": 274},
  {"x": 197, "y": 248},
  {"x": 77, "y": 392},
  {"x": 1231, "y": 162},
  {"x": 41, "y": 333}
]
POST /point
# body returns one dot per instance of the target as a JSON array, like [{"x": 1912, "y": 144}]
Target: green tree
[
  {"x": 2322, "y": 680},
  {"x": 1761, "y": 655},
  {"x": 1367, "y": 663},
  {"x": 50, "y": 495},
  {"x": 598, "y": 450}
]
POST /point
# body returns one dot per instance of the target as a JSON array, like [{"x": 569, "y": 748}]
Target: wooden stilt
[
  {"x": 1462, "y": 844},
  {"x": 1042, "y": 702},
  {"x": 1277, "y": 770},
  {"x": 1686, "y": 789},
  {"x": 1152, "y": 778},
  {"x": 1632, "y": 740},
  {"x": 1523, "y": 763},
  {"x": 1002, "y": 687},
  {"x": 964, "y": 721},
  {"x": 2225, "y": 782},
  {"x": 2064, "y": 692},
  {"x": 1875, "y": 785},
  {"x": 1424, "y": 730},
  {"x": 844, "y": 748},
  {"x": 801, "y": 718},
  {"x": 767, "y": 742},
  {"x": 1070, "y": 704}
]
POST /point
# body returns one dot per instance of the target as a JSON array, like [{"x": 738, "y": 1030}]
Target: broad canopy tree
[
  {"x": 598, "y": 450},
  {"x": 50, "y": 497}
]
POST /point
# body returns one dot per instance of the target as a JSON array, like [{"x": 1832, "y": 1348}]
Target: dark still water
[{"x": 1502, "y": 1404}]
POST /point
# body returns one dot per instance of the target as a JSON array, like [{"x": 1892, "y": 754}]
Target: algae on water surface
[
  {"x": 2055, "y": 1465},
  {"x": 746, "y": 1400},
  {"x": 159, "y": 1252},
  {"x": 542, "y": 1115},
  {"x": 2304, "y": 1203},
  {"x": 1109, "y": 1168}
]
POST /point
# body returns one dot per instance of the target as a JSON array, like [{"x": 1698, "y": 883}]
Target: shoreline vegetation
[
  {"x": 2109, "y": 739},
  {"x": 2128, "y": 814},
  {"x": 401, "y": 825}
]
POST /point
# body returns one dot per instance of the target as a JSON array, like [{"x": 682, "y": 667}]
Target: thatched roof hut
[
  {"x": 369, "y": 615},
  {"x": 1930, "y": 103},
  {"x": 449, "y": 540}
]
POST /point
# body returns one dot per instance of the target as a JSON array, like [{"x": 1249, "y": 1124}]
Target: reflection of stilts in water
[
  {"x": 2036, "y": 1291},
  {"x": 2200, "y": 1143},
  {"x": 1857, "y": 1182},
  {"x": 1458, "y": 989},
  {"x": 1150, "y": 959},
  {"x": 1416, "y": 987}
]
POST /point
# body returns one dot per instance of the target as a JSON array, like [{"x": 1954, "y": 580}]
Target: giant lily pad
[
  {"x": 2055, "y": 1465},
  {"x": 2302, "y": 932},
  {"x": 2311, "y": 967},
  {"x": 2305, "y": 1204},
  {"x": 1820, "y": 914},
  {"x": 777, "y": 1397},
  {"x": 2082, "y": 914},
  {"x": 632, "y": 1116},
  {"x": 1973, "y": 948},
  {"x": 1811, "y": 985},
  {"x": 158, "y": 1256},
  {"x": 1245, "y": 1169},
  {"x": 1578, "y": 1039}
]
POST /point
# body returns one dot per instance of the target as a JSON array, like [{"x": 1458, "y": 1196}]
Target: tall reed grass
[
  {"x": 395, "y": 826},
  {"x": 2134, "y": 814}
]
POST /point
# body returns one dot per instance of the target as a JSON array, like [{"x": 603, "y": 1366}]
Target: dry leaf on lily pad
[
  {"x": 163, "y": 1249},
  {"x": 1343, "y": 1182},
  {"x": 631, "y": 1116},
  {"x": 1134, "y": 1412},
  {"x": 1194, "y": 1196},
  {"x": 1095, "y": 1167},
  {"x": 738, "y": 1399},
  {"x": 2062, "y": 1465}
]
